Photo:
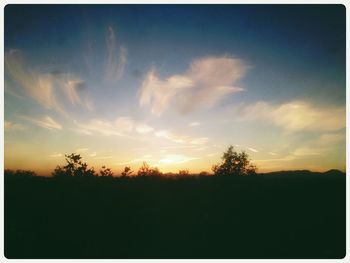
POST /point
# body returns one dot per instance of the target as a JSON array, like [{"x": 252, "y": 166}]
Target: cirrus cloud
[
  {"x": 115, "y": 60},
  {"x": 206, "y": 82},
  {"x": 10, "y": 126},
  {"x": 45, "y": 88},
  {"x": 295, "y": 116},
  {"x": 45, "y": 122}
]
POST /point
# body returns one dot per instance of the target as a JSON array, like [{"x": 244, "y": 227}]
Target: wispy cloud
[
  {"x": 180, "y": 138},
  {"x": 97, "y": 126},
  {"x": 73, "y": 88},
  {"x": 321, "y": 145},
  {"x": 45, "y": 122},
  {"x": 124, "y": 124},
  {"x": 10, "y": 126},
  {"x": 252, "y": 149},
  {"x": 45, "y": 88},
  {"x": 194, "y": 124},
  {"x": 82, "y": 150},
  {"x": 205, "y": 83},
  {"x": 143, "y": 129},
  {"x": 198, "y": 141},
  {"x": 115, "y": 62},
  {"x": 104, "y": 157},
  {"x": 297, "y": 116},
  {"x": 38, "y": 86},
  {"x": 145, "y": 158},
  {"x": 56, "y": 155},
  {"x": 176, "y": 159}
]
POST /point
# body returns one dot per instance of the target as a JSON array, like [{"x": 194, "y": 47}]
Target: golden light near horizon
[{"x": 125, "y": 92}]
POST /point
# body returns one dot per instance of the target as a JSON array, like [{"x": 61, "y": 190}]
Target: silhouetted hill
[
  {"x": 187, "y": 217},
  {"x": 303, "y": 173},
  {"x": 334, "y": 172}
]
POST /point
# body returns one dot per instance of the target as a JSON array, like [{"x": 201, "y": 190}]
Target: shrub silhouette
[
  {"x": 146, "y": 170},
  {"x": 106, "y": 172},
  {"x": 19, "y": 173},
  {"x": 204, "y": 173},
  {"x": 234, "y": 163},
  {"x": 127, "y": 171},
  {"x": 184, "y": 172},
  {"x": 74, "y": 167}
]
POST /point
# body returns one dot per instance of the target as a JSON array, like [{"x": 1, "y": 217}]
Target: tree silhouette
[
  {"x": 204, "y": 173},
  {"x": 234, "y": 163},
  {"x": 127, "y": 171},
  {"x": 20, "y": 173},
  {"x": 74, "y": 167},
  {"x": 184, "y": 172},
  {"x": 106, "y": 172},
  {"x": 146, "y": 170}
]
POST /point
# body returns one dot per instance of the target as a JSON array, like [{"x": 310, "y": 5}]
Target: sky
[{"x": 174, "y": 85}]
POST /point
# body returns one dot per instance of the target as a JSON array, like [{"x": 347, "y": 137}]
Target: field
[{"x": 281, "y": 215}]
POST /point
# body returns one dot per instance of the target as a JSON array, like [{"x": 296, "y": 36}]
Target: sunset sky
[{"x": 175, "y": 85}]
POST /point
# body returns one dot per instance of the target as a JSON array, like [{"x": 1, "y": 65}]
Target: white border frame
[{"x": 4, "y": 3}]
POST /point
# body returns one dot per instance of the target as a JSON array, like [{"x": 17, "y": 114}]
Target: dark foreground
[{"x": 270, "y": 216}]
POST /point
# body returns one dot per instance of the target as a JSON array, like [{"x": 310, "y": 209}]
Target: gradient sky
[{"x": 175, "y": 85}]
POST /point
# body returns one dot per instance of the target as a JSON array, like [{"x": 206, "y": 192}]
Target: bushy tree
[
  {"x": 19, "y": 173},
  {"x": 146, "y": 170},
  {"x": 234, "y": 163},
  {"x": 204, "y": 173},
  {"x": 184, "y": 172},
  {"x": 74, "y": 167},
  {"x": 106, "y": 172},
  {"x": 127, "y": 171}
]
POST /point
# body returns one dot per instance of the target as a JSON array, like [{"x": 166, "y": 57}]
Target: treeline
[{"x": 233, "y": 164}]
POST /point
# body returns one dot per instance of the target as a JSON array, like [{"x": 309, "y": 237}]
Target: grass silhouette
[{"x": 296, "y": 214}]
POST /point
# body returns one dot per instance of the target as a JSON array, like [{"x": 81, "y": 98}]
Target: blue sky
[{"x": 175, "y": 85}]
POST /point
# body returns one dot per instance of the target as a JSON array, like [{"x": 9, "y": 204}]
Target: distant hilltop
[{"x": 331, "y": 172}]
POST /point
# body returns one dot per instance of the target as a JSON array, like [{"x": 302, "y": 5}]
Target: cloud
[
  {"x": 82, "y": 150},
  {"x": 142, "y": 129},
  {"x": 10, "y": 126},
  {"x": 180, "y": 138},
  {"x": 170, "y": 136},
  {"x": 145, "y": 158},
  {"x": 124, "y": 124},
  {"x": 176, "y": 159},
  {"x": 321, "y": 145},
  {"x": 199, "y": 141},
  {"x": 56, "y": 155},
  {"x": 194, "y": 124},
  {"x": 97, "y": 126},
  {"x": 45, "y": 122},
  {"x": 38, "y": 86},
  {"x": 331, "y": 138},
  {"x": 45, "y": 88},
  {"x": 73, "y": 88},
  {"x": 297, "y": 116},
  {"x": 115, "y": 62},
  {"x": 307, "y": 151},
  {"x": 207, "y": 81},
  {"x": 252, "y": 149},
  {"x": 104, "y": 157},
  {"x": 93, "y": 154}
]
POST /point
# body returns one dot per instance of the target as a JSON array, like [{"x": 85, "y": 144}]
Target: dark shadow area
[{"x": 296, "y": 214}]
